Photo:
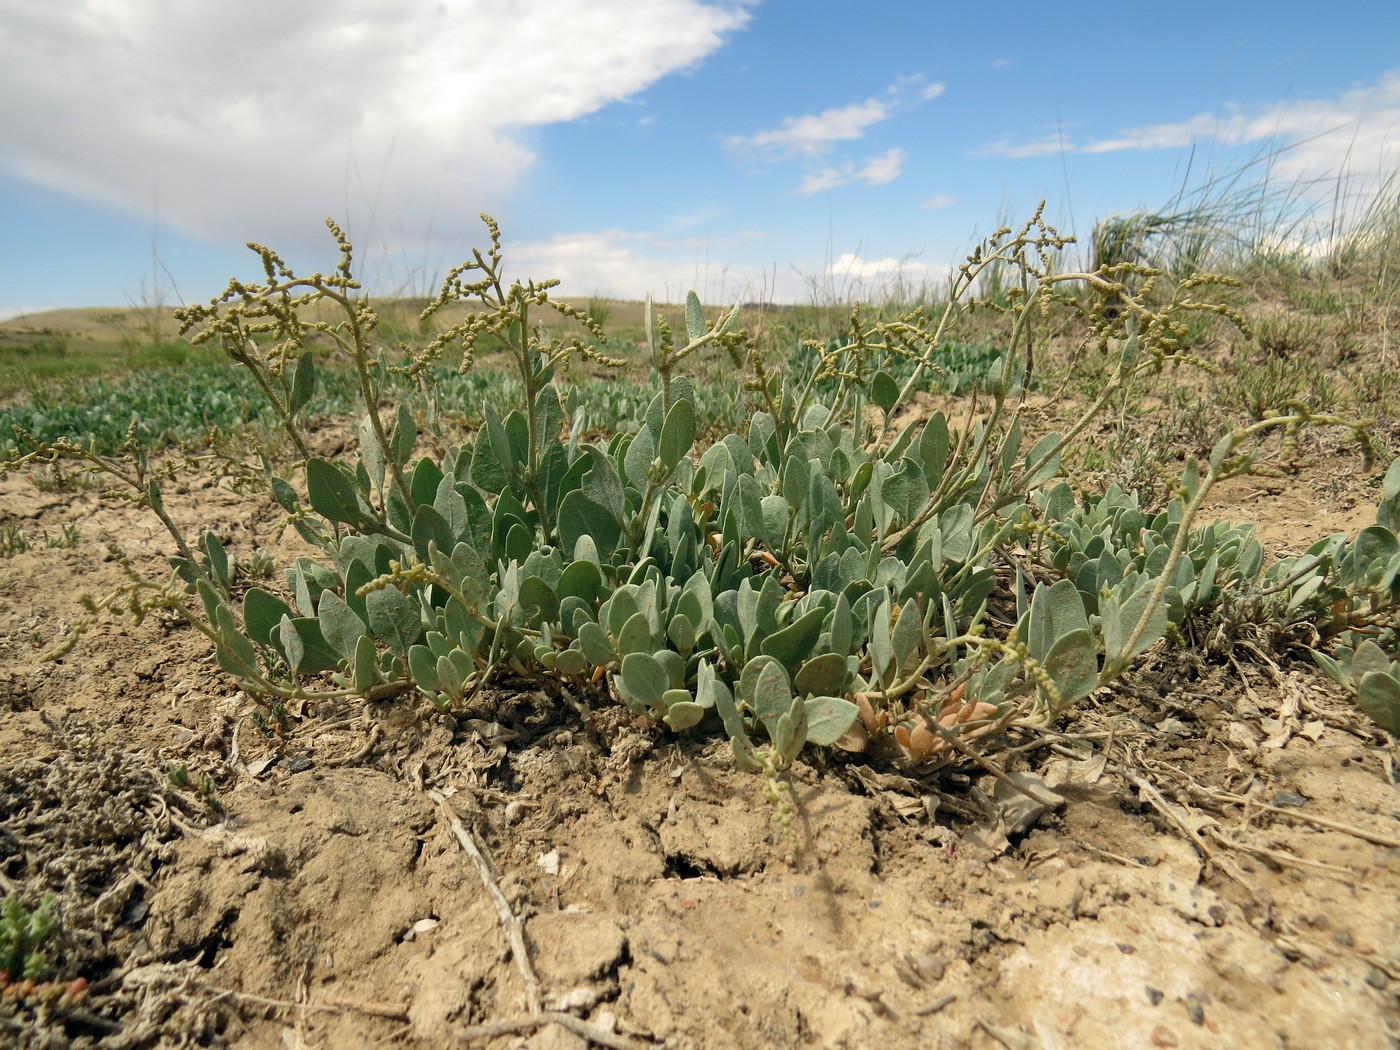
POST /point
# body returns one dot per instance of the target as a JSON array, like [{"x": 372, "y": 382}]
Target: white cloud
[
  {"x": 850, "y": 264},
  {"x": 814, "y": 133},
  {"x": 939, "y": 200},
  {"x": 626, "y": 264},
  {"x": 850, "y": 276},
  {"x": 253, "y": 119},
  {"x": 1022, "y": 150},
  {"x": 882, "y": 169},
  {"x": 1356, "y": 134}
]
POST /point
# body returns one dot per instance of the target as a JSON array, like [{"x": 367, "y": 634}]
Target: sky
[{"x": 748, "y": 149}]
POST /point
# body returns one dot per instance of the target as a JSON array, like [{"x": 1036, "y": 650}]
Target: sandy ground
[{"x": 1224, "y": 870}]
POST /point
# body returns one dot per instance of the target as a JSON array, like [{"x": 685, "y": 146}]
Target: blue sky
[{"x": 747, "y": 149}]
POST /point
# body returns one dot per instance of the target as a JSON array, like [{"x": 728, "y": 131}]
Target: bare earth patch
[{"x": 1224, "y": 870}]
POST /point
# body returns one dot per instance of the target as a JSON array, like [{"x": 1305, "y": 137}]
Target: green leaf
[
  {"x": 262, "y": 614},
  {"x": 727, "y": 325},
  {"x": 581, "y": 516},
  {"x": 637, "y": 462},
  {"x": 1073, "y": 665},
  {"x": 1378, "y": 695},
  {"x": 881, "y": 648},
  {"x": 795, "y": 642},
  {"x": 681, "y": 631},
  {"x": 303, "y": 383},
  {"x": 905, "y": 638},
  {"x": 826, "y": 673},
  {"x": 1041, "y": 466},
  {"x": 1118, "y": 623},
  {"x": 233, "y": 651},
  {"x": 682, "y": 714},
  {"x": 635, "y": 635},
  {"x": 218, "y": 559},
  {"x": 366, "y": 668},
  {"x": 331, "y": 492},
  {"x": 500, "y": 441},
  {"x": 694, "y": 317},
  {"x": 884, "y": 390},
  {"x": 764, "y": 685},
  {"x": 1056, "y": 611},
  {"x": 572, "y": 662},
  {"x": 774, "y": 512},
  {"x": 642, "y": 681},
  {"x": 750, "y": 507},
  {"x": 486, "y": 470},
  {"x": 789, "y": 732},
  {"x": 405, "y": 434},
  {"x": 828, "y": 718},
  {"x": 710, "y": 690},
  {"x": 393, "y": 617},
  {"x": 306, "y": 650},
  {"x": 677, "y": 434},
  {"x": 340, "y": 624},
  {"x": 371, "y": 455},
  {"x": 1388, "y": 511},
  {"x": 582, "y": 580},
  {"x": 1367, "y": 658},
  {"x": 603, "y": 485},
  {"x": 593, "y": 640}
]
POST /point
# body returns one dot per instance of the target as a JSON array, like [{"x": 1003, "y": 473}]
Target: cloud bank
[
  {"x": 252, "y": 120},
  {"x": 1357, "y": 133}
]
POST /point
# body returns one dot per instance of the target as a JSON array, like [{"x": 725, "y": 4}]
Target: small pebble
[
  {"x": 1154, "y": 995},
  {"x": 1376, "y": 979},
  {"x": 1163, "y": 1036}
]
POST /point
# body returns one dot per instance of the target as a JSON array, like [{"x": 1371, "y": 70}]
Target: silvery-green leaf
[
  {"x": 642, "y": 681},
  {"x": 694, "y": 317},
  {"x": 635, "y": 635},
  {"x": 572, "y": 662},
  {"x": 596, "y": 645},
  {"x": 371, "y": 455},
  {"x": 1368, "y": 657},
  {"x": 828, "y": 718},
  {"x": 905, "y": 638},
  {"x": 677, "y": 433},
  {"x": 583, "y": 518},
  {"x": 262, "y": 614},
  {"x": 774, "y": 511},
  {"x": 884, "y": 390},
  {"x": 1073, "y": 665},
  {"x": 1041, "y": 465},
  {"x": 331, "y": 493},
  {"x": 366, "y": 666},
  {"x": 682, "y": 714},
  {"x": 681, "y": 632},
  {"x": 640, "y": 454},
  {"x": 303, "y": 383},
  {"x": 765, "y": 687},
  {"x": 1378, "y": 695},
  {"x": 393, "y": 617},
  {"x": 404, "y": 435},
  {"x": 727, "y": 325},
  {"x": 795, "y": 642},
  {"x": 422, "y": 665},
  {"x": 1055, "y": 612},
  {"x": 826, "y": 673}
]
